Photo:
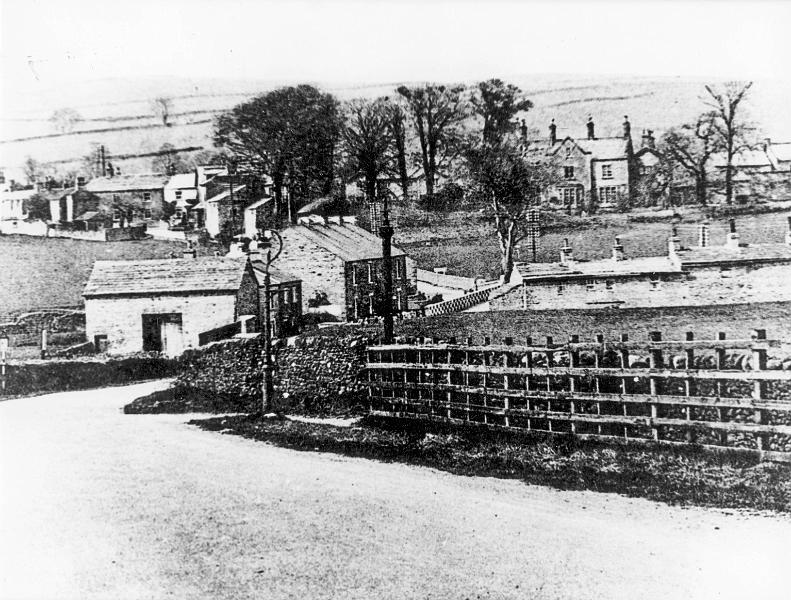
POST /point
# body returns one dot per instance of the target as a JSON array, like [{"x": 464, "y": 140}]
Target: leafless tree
[
  {"x": 731, "y": 129},
  {"x": 162, "y": 106},
  {"x": 690, "y": 147},
  {"x": 437, "y": 112},
  {"x": 64, "y": 120}
]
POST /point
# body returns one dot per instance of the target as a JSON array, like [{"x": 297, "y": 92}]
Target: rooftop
[
  {"x": 601, "y": 268},
  {"x": 121, "y": 183},
  {"x": 181, "y": 180},
  {"x": 744, "y": 253},
  {"x": 168, "y": 276},
  {"x": 276, "y": 276},
  {"x": 348, "y": 242}
]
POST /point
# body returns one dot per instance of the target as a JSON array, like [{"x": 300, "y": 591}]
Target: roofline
[
  {"x": 192, "y": 292},
  {"x": 602, "y": 274}
]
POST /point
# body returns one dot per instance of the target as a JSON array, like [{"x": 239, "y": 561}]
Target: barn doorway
[{"x": 162, "y": 333}]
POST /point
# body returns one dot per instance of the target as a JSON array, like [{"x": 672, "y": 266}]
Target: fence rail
[{"x": 716, "y": 393}]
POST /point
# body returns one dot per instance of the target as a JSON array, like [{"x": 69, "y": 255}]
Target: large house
[
  {"x": 335, "y": 257},
  {"x": 130, "y": 198},
  {"x": 170, "y": 305},
  {"x": 592, "y": 173},
  {"x": 731, "y": 273}
]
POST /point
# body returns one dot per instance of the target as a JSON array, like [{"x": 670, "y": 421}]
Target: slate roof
[
  {"x": 782, "y": 151},
  {"x": 126, "y": 183},
  {"x": 596, "y": 268},
  {"x": 348, "y": 242},
  {"x": 167, "y": 276},
  {"x": 599, "y": 148},
  {"x": 745, "y": 158},
  {"x": 276, "y": 276},
  {"x": 745, "y": 253},
  {"x": 181, "y": 181}
]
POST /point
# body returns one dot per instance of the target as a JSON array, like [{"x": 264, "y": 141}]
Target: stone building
[
  {"x": 732, "y": 273},
  {"x": 162, "y": 305},
  {"x": 285, "y": 298},
  {"x": 336, "y": 257},
  {"x": 592, "y": 173},
  {"x": 763, "y": 172},
  {"x": 129, "y": 198}
]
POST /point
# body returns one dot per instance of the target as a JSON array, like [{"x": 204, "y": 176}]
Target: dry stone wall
[{"x": 314, "y": 374}]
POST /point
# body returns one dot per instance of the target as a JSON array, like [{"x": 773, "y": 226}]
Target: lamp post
[
  {"x": 3, "y": 351},
  {"x": 386, "y": 233},
  {"x": 274, "y": 245}
]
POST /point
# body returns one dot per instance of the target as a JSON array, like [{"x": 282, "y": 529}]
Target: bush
[
  {"x": 314, "y": 318},
  {"x": 448, "y": 198}
]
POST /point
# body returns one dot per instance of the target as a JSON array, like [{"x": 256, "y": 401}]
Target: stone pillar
[
  {"x": 617, "y": 250},
  {"x": 732, "y": 240}
]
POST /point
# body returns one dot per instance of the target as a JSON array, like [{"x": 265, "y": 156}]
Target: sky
[{"x": 51, "y": 43}]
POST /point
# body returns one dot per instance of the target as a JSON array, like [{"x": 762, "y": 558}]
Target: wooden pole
[
  {"x": 655, "y": 362},
  {"x": 758, "y": 363}
]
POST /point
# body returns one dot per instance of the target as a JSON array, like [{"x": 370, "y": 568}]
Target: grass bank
[{"x": 688, "y": 476}]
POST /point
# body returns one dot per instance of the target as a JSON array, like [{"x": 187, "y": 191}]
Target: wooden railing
[{"x": 690, "y": 391}]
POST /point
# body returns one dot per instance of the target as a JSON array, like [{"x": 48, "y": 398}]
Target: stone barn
[{"x": 163, "y": 305}]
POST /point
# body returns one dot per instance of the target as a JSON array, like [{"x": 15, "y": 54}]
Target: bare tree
[
  {"x": 690, "y": 147},
  {"x": 398, "y": 127},
  {"x": 368, "y": 140},
  {"x": 162, "y": 106},
  {"x": 437, "y": 112},
  {"x": 64, "y": 120},
  {"x": 732, "y": 130}
]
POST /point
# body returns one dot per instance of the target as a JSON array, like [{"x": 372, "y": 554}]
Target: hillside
[{"x": 117, "y": 112}]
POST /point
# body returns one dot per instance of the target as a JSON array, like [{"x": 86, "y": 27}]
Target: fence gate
[{"x": 716, "y": 393}]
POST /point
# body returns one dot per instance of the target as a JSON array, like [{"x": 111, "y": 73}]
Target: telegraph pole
[{"x": 386, "y": 233}]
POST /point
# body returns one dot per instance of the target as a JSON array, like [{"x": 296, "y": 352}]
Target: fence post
[
  {"x": 467, "y": 377},
  {"x": 528, "y": 375},
  {"x": 655, "y": 361},
  {"x": 690, "y": 360},
  {"x": 758, "y": 361},
  {"x": 485, "y": 380},
  {"x": 720, "y": 361},
  {"x": 574, "y": 363},
  {"x": 507, "y": 363},
  {"x": 550, "y": 363},
  {"x": 449, "y": 381}
]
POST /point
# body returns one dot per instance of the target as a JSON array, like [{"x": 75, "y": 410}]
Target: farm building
[
  {"x": 128, "y": 198},
  {"x": 166, "y": 305},
  {"x": 336, "y": 257},
  {"x": 729, "y": 274}
]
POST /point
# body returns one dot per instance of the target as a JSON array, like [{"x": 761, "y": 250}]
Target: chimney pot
[
  {"x": 553, "y": 132},
  {"x": 591, "y": 130},
  {"x": 617, "y": 250}
]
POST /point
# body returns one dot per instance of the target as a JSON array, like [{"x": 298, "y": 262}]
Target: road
[{"x": 98, "y": 504}]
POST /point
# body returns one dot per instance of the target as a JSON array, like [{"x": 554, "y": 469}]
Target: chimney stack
[
  {"x": 189, "y": 251},
  {"x": 553, "y": 132},
  {"x": 788, "y": 232},
  {"x": 590, "y": 126},
  {"x": 617, "y": 250},
  {"x": 673, "y": 242},
  {"x": 627, "y": 128},
  {"x": 648, "y": 139},
  {"x": 566, "y": 253},
  {"x": 732, "y": 240},
  {"x": 523, "y": 130},
  {"x": 80, "y": 182},
  {"x": 703, "y": 235}
]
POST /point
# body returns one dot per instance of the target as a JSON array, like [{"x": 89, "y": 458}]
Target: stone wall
[
  {"x": 315, "y": 374},
  {"x": 27, "y": 327},
  {"x": 120, "y": 319}
]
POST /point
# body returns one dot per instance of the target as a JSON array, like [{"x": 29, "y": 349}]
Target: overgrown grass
[{"x": 681, "y": 476}]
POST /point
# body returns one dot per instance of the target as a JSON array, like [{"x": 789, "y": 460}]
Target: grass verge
[{"x": 688, "y": 476}]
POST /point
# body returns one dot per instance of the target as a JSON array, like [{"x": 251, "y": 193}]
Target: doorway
[{"x": 162, "y": 333}]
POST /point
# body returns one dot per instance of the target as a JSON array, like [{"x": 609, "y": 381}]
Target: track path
[{"x": 98, "y": 504}]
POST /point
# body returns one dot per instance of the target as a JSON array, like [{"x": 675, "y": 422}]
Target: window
[
  {"x": 353, "y": 269},
  {"x": 116, "y": 198},
  {"x": 116, "y": 215},
  {"x": 370, "y": 303},
  {"x": 568, "y": 172},
  {"x": 606, "y": 171},
  {"x": 146, "y": 213},
  {"x": 178, "y": 194},
  {"x": 370, "y": 273},
  {"x": 146, "y": 196},
  {"x": 608, "y": 284},
  {"x": 569, "y": 195},
  {"x": 590, "y": 285},
  {"x": 561, "y": 289},
  {"x": 568, "y": 150},
  {"x": 398, "y": 269},
  {"x": 608, "y": 194}
]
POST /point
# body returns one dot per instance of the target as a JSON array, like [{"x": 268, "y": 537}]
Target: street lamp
[
  {"x": 274, "y": 246},
  {"x": 386, "y": 233}
]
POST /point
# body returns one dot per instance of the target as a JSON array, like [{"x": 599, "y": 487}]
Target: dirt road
[{"x": 97, "y": 504}]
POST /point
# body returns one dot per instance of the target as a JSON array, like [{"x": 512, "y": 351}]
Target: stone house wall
[
  {"x": 364, "y": 284},
  {"x": 120, "y": 318}
]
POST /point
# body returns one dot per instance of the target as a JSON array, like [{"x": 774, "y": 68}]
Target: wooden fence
[{"x": 716, "y": 393}]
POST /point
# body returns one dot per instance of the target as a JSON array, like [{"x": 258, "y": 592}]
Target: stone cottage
[
  {"x": 731, "y": 273},
  {"x": 335, "y": 257}
]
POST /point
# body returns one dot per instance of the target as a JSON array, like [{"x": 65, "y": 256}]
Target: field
[
  {"x": 41, "y": 272},
  {"x": 117, "y": 112}
]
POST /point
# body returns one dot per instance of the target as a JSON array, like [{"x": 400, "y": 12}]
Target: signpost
[{"x": 3, "y": 352}]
